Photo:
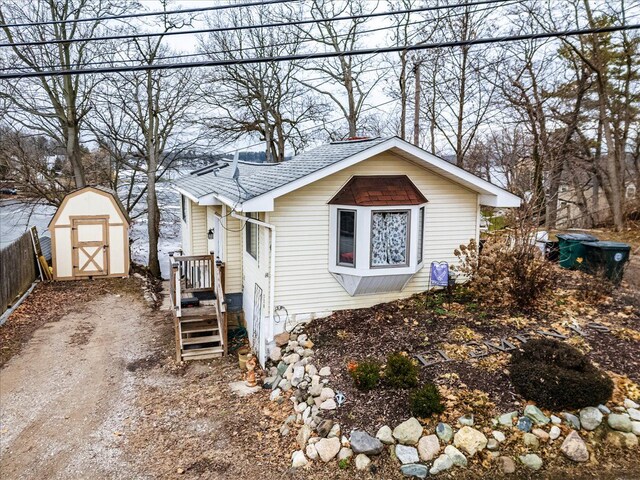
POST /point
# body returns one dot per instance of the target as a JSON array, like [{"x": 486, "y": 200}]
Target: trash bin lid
[
  {"x": 609, "y": 245},
  {"x": 577, "y": 237}
]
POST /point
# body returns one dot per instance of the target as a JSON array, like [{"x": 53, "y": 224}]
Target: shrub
[
  {"x": 557, "y": 376},
  {"x": 510, "y": 272},
  {"x": 425, "y": 401},
  {"x": 366, "y": 375},
  {"x": 400, "y": 371}
]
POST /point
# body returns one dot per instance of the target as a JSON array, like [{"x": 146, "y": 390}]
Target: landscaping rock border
[{"x": 418, "y": 452}]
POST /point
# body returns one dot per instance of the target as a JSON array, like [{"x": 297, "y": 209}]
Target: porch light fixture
[{"x": 210, "y": 234}]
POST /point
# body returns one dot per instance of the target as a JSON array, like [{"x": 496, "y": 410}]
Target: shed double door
[{"x": 90, "y": 246}]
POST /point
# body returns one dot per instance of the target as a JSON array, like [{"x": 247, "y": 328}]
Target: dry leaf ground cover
[{"x": 429, "y": 321}]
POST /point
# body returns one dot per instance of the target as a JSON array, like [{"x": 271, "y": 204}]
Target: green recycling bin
[
  {"x": 572, "y": 249},
  {"x": 608, "y": 258}
]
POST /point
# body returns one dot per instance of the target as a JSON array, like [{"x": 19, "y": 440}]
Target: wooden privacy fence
[{"x": 17, "y": 270}]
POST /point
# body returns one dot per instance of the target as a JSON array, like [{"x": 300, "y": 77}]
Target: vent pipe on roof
[{"x": 234, "y": 171}]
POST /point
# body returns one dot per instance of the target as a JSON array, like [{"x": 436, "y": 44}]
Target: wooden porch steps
[
  {"x": 200, "y": 327},
  {"x": 203, "y": 353},
  {"x": 200, "y": 340}
]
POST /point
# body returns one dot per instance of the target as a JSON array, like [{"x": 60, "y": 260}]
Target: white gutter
[{"x": 272, "y": 274}]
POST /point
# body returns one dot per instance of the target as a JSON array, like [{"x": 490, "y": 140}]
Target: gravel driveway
[{"x": 64, "y": 398}]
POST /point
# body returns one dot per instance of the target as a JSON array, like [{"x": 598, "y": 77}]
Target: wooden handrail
[{"x": 221, "y": 306}]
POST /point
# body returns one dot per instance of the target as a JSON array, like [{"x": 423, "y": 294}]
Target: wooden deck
[{"x": 201, "y": 331}]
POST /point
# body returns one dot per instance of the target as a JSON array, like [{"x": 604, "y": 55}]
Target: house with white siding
[{"x": 346, "y": 225}]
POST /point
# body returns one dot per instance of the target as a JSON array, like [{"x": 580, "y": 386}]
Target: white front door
[{"x": 214, "y": 244}]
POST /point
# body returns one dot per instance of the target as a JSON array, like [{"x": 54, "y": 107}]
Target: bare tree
[
  {"x": 55, "y": 106},
  {"x": 347, "y": 73},
  {"x": 146, "y": 120},
  {"x": 263, "y": 99},
  {"x": 614, "y": 94},
  {"x": 462, "y": 97}
]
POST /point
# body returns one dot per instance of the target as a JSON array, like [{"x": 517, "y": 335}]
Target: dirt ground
[{"x": 92, "y": 391}]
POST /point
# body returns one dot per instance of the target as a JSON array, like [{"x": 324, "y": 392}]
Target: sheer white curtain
[{"x": 389, "y": 238}]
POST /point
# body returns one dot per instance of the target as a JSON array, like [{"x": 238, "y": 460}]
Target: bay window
[{"x": 376, "y": 234}]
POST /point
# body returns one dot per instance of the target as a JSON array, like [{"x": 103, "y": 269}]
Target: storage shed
[{"x": 90, "y": 236}]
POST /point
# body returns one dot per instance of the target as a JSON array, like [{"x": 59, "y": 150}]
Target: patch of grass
[{"x": 343, "y": 464}]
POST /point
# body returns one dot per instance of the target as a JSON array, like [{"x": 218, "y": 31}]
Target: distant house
[{"x": 346, "y": 225}]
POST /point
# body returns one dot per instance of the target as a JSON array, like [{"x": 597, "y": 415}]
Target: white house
[{"x": 346, "y": 225}]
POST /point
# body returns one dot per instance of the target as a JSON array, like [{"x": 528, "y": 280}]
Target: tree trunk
[
  {"x": 153, "y": 213},
  {"x": 416, "y": 109}
]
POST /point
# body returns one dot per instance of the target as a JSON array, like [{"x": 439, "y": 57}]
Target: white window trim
[{"x": 363, "y": 241}]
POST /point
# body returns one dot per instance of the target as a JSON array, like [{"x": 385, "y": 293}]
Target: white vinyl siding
[
  {"x": 303, "y": 283},
  {"x": 233, "y": 254},
  {"x": 199, "y": 244}
]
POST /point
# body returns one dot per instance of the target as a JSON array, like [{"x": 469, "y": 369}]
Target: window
[
  {"x": 389, "y": 239},
  {"x": 347, "y": 238},
  {"x": 251, "y": 232},
  {"x": 420, "y": 245},
  {"x": 184, "y": 208}
]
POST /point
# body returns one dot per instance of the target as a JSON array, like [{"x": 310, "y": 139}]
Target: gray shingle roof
[{"x": 257, "y": 179}]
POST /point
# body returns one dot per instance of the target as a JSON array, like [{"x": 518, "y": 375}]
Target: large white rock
[
  {"x": 362, "y": 462},
  {"x": 409, "y": 432},
  {"x": 590, "y": 418},
  {"x": 385, "y": 435},
  {"x": 442, "y": 463},
  {"x": 298, "y": 459},
  {"x": 428, "y": 448},
  {"x": 311, "y": 452},
  {"x": 328, "y": 448},
  {"x": 456, "y": 456},
  {"x": 303, "y": 435},
  {"x": 407, "y": 454},
  {"x": 326, "y": 394},
  {"x": 574, "y": 447},
  {"x": 469, "y": 440},
  {"x": 329, "y": 404}
]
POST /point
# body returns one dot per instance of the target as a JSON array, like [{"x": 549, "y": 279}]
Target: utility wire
[
  {"x": 148, "y": 14},
  {"x": 311, "y": 40},
  {"x": 319, "y": 55},
  {"x": 246, "y": 27}
]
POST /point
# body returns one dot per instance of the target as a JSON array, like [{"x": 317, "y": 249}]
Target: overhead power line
[
  {"x": 244, "y": 49},
  {"x": 246, "y": 27},
  {"x": 319, "y": 55},
  {"x": 148, "y": 14}
]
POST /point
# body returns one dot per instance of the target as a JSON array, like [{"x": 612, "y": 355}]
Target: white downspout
[{"x": 272, "y": 273}]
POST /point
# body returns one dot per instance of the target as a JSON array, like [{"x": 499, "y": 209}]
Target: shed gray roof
[{"x": 259, "y": 178}]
